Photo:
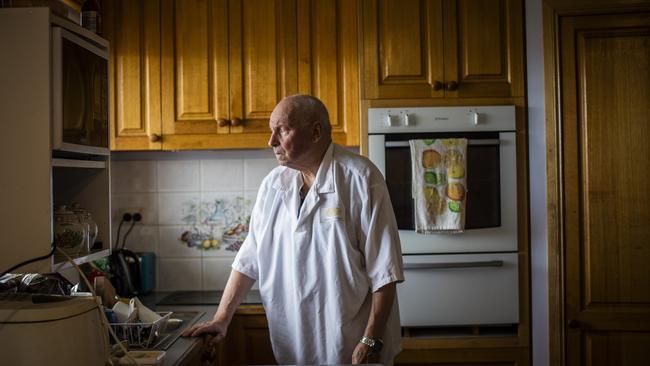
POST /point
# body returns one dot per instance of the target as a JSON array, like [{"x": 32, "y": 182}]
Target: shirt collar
[{"x": 324, "y": 182}]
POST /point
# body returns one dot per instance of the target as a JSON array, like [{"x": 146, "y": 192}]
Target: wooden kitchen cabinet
[
  {"x": 133, "y": 30},
  {"x": 463, "y": 357},
  {"x": 208, "y": 74},
  {"x": 442, "y": 49},
  {"x": 248, "y": 341}
]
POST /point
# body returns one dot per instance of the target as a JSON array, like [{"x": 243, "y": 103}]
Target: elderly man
[{"x": 324, "y": 247}]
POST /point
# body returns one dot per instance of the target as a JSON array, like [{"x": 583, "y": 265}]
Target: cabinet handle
[
  {"x": 235, "y": 122},
  {"x": 437, "y": 85},
  {"x": 452, "y": 85},
  {"x": 223, "y": 122},
  {"x": 154, "y": 137}
]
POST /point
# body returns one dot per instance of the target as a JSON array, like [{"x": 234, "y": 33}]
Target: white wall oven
[{"x": 468, "y": 278}]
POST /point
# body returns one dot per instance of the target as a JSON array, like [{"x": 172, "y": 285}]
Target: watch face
[{"x": 377, "y": 345}]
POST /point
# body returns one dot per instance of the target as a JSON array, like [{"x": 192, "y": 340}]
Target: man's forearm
[
  {"x": 237, "y": 287},
  {"x": 382, "y": 303}
]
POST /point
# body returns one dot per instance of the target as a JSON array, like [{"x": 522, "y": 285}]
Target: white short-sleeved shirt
[{"x": 318, "y": 264}]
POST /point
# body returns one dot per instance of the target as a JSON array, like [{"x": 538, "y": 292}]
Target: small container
[
  {"x": 69, "y": 234},
  {"x": 84, "y": 217}
]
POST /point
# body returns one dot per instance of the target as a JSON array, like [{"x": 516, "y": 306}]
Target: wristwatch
[{"x": 375, "y": 344}]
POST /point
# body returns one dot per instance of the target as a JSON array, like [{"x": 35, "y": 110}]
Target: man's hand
[
  {"x": 215, "y": 328},
  {"x": 363, "y": 354}
]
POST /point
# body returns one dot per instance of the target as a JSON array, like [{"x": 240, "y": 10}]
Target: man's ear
[{"x": 316, "y": 132}]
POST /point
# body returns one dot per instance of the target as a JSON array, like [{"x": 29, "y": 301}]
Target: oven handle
[
  {"x": 473, "y": 142},
  {"x": 445, "y": 265}
]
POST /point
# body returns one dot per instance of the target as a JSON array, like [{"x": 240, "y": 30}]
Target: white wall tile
[
  {"x": 133, "y": 176},
  {"x": 215, "y": 273},
  {"x": 223, "y": 175},
  {"x": 171, "y": 245},
  {"x": 255, "y": 170},
  {"x": 143, "y": 238},
  {"x": 145, "y": 203},
  {"x": 176, "y": 274},
  {"x": 178, "y": 175},
  {"x": 178, "y": 208}
]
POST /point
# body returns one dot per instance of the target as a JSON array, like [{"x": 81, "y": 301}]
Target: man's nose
[{"x": 272, "y": 140}]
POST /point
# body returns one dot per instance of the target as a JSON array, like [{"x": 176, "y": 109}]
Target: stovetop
[{"x": 204, "y": 298}]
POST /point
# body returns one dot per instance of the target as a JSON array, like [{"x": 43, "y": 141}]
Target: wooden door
[
  {"x": 195, "y": 89},
  {"x": 133, "y": 29},
  {"x": 328, "y": 66},
  {"x": 403, "y": 48},
  {"x": 263, "y": 65},
  {"x": 605, "y": 104},
  {"x": 483, "y": 48}
]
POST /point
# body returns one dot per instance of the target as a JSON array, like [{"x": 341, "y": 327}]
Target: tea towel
[{"x": 439, "y": 184}]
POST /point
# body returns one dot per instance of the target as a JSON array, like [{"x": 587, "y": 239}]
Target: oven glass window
[
  {"x": 483, "y": 187},
  {"x": 85, "y": 96}
]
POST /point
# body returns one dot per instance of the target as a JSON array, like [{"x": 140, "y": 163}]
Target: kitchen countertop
[{"x": 183, "y": 347}]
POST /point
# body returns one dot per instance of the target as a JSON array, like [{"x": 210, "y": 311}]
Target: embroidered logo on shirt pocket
[{"x": 331, "y": 213}]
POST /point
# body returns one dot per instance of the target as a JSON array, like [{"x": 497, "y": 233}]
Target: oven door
[{"x": 491, "y": 219}]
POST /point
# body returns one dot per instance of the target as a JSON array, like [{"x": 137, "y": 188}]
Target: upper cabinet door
[
  {"x": 263, "y": 63},
  {"x": 483, "y": 48},
  {"x": 195, "y": 93},
  {"x": 133, "y": 29},
  {"x": 328, "y": 66},
  {"x": 443, "y": 48},
  {"x": 403, "y": 48}
]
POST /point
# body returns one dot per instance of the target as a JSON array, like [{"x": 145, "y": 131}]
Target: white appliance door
[
  {"x": 495, "y": 239},
  {"x": 459, "y": 289}
]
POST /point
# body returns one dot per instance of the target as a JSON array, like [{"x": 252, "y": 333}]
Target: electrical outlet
[{"x": 130, "y": 211}]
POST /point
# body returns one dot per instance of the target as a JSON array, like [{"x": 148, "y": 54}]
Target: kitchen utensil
[{"x": 125, "y": 268}]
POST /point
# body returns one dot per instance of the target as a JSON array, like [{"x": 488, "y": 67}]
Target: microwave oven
[{"x": 80, "y": 94}]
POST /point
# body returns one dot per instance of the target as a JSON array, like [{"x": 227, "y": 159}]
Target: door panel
[
  {"x": 403, "y": 48},
  {"x": 605, "y": 64},
  {"x": 483, "y": 42},
  {"x": 194, "y": 67},
  {"x": 133, "y": 29},
  {"x": 263, "y": 60},
  {"x": 328, "y": 66},
  {"x": 616, "y": 348}
]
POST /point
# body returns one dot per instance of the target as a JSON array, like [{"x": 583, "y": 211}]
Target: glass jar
[
  {"x": 69, "y": 234},
  {"x": 86, "y": 219}
]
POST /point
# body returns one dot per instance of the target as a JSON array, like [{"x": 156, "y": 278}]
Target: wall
[
  {"x": 200, "y": 193},
  {"x": 537, "y": 170}
]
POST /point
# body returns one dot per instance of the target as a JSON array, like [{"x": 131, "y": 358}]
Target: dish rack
[{"x": 141, "y": 335}]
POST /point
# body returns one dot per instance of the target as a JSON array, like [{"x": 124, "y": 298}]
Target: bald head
[{"x": 304, "y": 110}]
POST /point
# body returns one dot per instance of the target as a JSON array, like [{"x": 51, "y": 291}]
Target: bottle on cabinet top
[{"x": 91, "y": 16}]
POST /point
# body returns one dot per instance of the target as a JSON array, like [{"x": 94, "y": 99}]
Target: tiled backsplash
[{"x": 194, "y": 206}]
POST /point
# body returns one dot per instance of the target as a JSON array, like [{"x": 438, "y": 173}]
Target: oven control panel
[{"x": 441, "y": 119}]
